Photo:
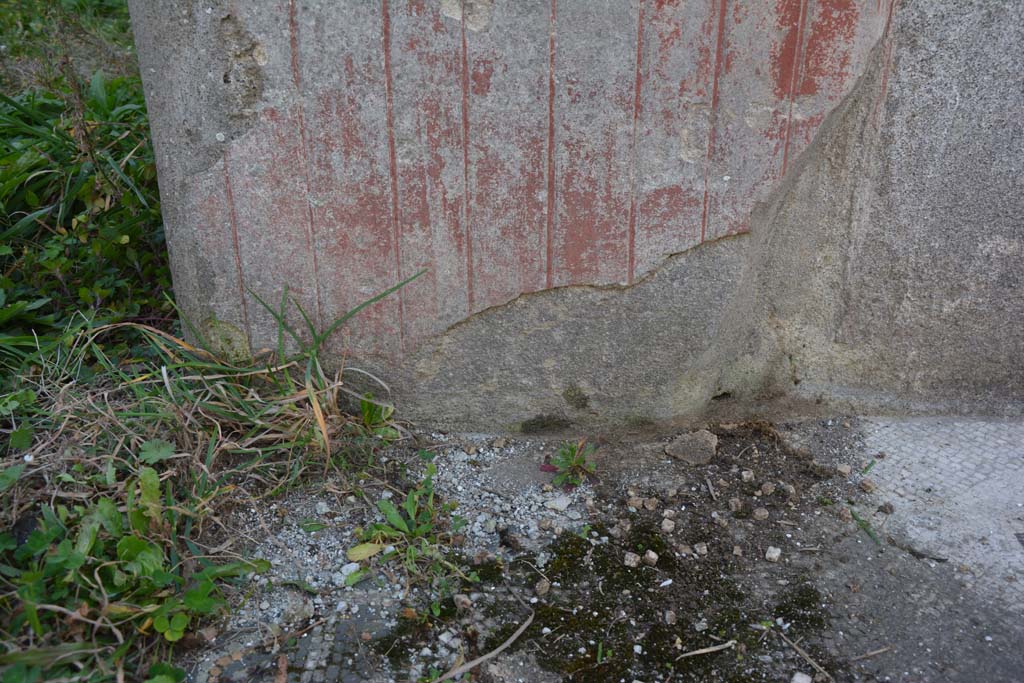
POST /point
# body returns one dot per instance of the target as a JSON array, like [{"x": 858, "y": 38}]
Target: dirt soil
[{"x": 768, "y": 563}]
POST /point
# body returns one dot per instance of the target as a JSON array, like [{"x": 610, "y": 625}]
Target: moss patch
[
  {"x": 575, "y": 397},
  {"x": 543, "y": 423}
]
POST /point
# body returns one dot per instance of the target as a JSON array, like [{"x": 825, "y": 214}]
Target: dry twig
[
  {"x": 459, "y": 670},
  {"x": 707, "y": 650},
  {"x": 873, "y": 653},
  {"x": 803, "y": 653},
  {"x": 711, "y": 489}
]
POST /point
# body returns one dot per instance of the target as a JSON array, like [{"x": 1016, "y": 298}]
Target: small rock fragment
[
  {"x": 462, "y": 602},
  {"x": 747, "y": 475},
  {"x": 760, "y": 514},
  {"x": 735, "y": 504},
  {"x": 651, "y": 503},
  {"x": 621, "y": 528},
  {"x": 670, "y": 617},
  {"x": 670, "y": 513},
  {"x": 544, "y": 524},
  {"x": 790, "y": 490},
  {"x": 767, "y": 488},
  {"x": 651, "y": 558},
  {"x": 350, "y": 568},
  {"x": 867, "y": 486},
  {"x": 844, "y": 470},
  {"x": 635, "y": 502},
  {"x": 499, "y": 443},
  {"x": 844, "y": 513},
  {"x": 542, "y": 587},
  {"x": 667, "y": 525},
  {"x": 737, "y": 551},
  {"x": 559, "y": 504},
  {"x": 773, "y": 554},
  {"x": 801, "y": 677},
  {"x": 322, "y": 508},
  {"x": 695, "y": 448},
  {"x": 631, "y": 560},
  {"x": 701, "y": 548},
  {"x": 886, "y": 508}
]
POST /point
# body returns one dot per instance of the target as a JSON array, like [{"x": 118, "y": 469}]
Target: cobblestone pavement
[{"x": 957, "y": 488}]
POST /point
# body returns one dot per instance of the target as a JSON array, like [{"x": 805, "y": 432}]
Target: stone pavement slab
[{"x": 957, "y": 490}]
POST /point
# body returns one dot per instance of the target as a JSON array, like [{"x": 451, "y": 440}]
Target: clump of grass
[
  {"x": 115, "y": 547},
  {"x": 38, "y": 34},
  {"x": 80, "y": 228}
]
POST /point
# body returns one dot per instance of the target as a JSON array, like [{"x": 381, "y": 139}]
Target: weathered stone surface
[
  {"x": 616, "y": 227},
  {"x": 696, "y": 448}
]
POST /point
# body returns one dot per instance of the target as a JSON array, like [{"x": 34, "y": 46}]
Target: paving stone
[
  {"x": 952, "y": 482},
  {"x": 695, "y": 448}
]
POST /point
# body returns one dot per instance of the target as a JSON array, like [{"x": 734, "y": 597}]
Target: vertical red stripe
[
  {"x": 393, "y": 159},
  {"x": 465, "y": 163},
  {"x": 234, "y": 244},
  {"x": 719, "y": 48},
  {"x": 794, "y": 79},
  {"x": 311, "y": 244},
  {"x": 886, "y": 63},
  {"x": 637, "y": 87},
  {"x": 551, "y": 147}
]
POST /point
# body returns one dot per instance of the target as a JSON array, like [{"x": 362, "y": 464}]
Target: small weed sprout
[
  {"x": 377, "y": 418},
  {"x": 417, "y": 531},
  {"x": 571, "y": 464}
]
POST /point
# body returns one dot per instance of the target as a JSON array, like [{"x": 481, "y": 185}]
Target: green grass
[
  {"x": 80, "y": 230},
  {"x": 124, "y": 466},
  {"x": 123, "y": 443},
  {"x": 36, "y": 34}
]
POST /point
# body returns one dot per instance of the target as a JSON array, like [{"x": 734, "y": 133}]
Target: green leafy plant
[
  {"x": 571, "y": 464},
  {"x": 377, "y": 418},
  {"x": 80, "y": 225},
  {"x": 107, "y": 573},
  {"x": 417, "y": 531}
]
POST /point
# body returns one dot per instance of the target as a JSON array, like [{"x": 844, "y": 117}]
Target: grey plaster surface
[{"x": 881, "y": 274}]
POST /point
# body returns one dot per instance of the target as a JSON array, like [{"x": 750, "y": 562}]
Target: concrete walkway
[{"x": 957, "y": 488}]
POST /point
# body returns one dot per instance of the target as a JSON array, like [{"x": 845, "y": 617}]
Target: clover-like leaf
[{"x": 155, "y": 450}]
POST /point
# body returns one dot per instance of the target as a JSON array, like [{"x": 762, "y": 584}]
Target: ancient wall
[{"x": 624, "y": 208}]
